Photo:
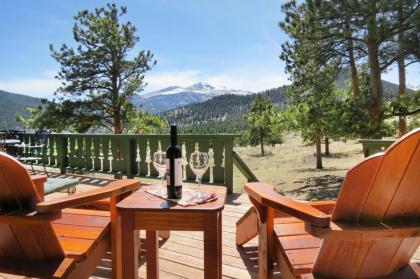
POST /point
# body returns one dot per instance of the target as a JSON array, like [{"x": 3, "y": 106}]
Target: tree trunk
[
  {"x": 354, "y": 76},
  {"x": 116, "y": 107},
  {"x": 318, "y": 150},
  {"x": 118, "y": 127},
  {"x": 353, "y": 68},
  {"x": 402, "y": 124},
  {"x": 374, "y": 67},
  {"x": 262, "y": 144},
  {"x": 327, "y": 146}
]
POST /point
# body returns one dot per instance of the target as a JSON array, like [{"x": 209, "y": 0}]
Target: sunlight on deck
[{"x": 181, "y": 256}]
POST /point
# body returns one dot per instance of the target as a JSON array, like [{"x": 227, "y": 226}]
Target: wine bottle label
[{"x": 177, "y": 172}]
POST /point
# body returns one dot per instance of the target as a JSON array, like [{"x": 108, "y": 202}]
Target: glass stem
[
  {"x": 162, "y": 182},
  {"x": 199, "y": 177}
]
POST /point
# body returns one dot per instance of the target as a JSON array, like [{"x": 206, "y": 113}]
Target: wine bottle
[{"x": 174, "y": 167}]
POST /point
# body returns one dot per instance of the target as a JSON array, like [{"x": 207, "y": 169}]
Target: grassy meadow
[{"x": 290, "y": 167}]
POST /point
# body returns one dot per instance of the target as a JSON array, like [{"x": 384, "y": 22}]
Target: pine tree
[
  {"x": 355, "y": 31},
  {"x": 312, "y": 100},
  {"x": 99, "y": 75},
  {"x": 263, "y": 128}
]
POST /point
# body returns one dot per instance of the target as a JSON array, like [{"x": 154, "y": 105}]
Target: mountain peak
[
  {"x": 201, "y": 85},
  {"x": 176, "y": 96}
]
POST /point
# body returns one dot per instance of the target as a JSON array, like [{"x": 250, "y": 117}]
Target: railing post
[
  {"x": 97, "y": 166},
  {"x": 204, "y": 146},
  {"x": 71, "y": 157},
  {"x": 62, "y": 155},
  {"x": 129, "y": 156},
  {"x": 105, "y": 155},
  {"x": 153, "y": 145},
  {"x": 50, "y": 155},
  {"x": 116, "y": 155},
  {"x": 189, "y": 148},
  {"x": 229, "y": 164},
  {"x": 88, "y": 154},
  {"x": 218, "y": 169},
  {"x": 143, "y": 166}
]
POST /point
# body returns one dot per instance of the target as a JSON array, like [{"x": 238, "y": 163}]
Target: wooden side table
[{"x": 144, "y": 211}]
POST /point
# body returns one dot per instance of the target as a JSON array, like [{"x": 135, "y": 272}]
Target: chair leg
[
  {"x": 247, "y": 227},
  {"x": 32, "y": 167},
  {"x": 265, "y": 239}
]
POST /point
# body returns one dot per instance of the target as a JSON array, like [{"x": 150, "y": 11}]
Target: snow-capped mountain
[{"x": 176, "y": 96}]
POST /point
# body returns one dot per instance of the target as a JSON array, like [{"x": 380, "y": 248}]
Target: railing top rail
[
  {"x": 181, "y": 136},
  {"x": 376, "y": 141}
]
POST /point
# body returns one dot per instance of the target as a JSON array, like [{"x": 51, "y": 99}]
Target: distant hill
[
  {"x": 11, "y": 103},
  {"x": 390, "y": 90},
  {"x": 221, "y": 114},
  {"x": 224, "y": 114}
]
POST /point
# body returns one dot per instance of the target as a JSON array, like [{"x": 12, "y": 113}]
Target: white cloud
[
  {"x": 42, "y": 86},
  {"x": 252, "y": 81}
]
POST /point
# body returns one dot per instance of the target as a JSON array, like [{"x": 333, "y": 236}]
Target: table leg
[
  {"x": 219, "y": 242},
  {"x": 129, "y": 246},
  {"x": 115, "y": 239},
  {"x": 212, "y": 247},
  {"x": 152, "y": 256}
]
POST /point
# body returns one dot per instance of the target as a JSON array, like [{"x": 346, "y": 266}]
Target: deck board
[{"x": 181, "y": 256}]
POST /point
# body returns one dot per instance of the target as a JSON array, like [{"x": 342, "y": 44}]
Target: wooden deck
[{"x": 181, "y": 256}]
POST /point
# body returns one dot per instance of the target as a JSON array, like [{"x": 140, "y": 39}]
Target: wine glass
[
  {"x": 199, "y": 163},
  {"x": 159, "y": 162}
]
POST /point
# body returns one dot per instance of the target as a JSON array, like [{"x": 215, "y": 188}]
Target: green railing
[
  {"x": 130, "y": 155},
  {"x": 372, "y": 146},
  {"x": 243, "y": 168}
]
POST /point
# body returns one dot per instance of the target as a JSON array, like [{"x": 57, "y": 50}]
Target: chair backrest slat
[
  {"x": 383, "y": 188},
  {"x": 405, "y": 203},
  {"x": 26, "y": 243}
]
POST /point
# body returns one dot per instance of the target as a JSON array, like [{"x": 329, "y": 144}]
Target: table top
[{"x": 143, "y": 201}]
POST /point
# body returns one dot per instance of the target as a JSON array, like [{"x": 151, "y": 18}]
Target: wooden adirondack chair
[
  {"x": 107, "y": 205},
  {"x": 48, "y": 240},
  {"x": 373, "y": 231}
]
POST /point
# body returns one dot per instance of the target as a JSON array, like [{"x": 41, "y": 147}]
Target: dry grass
[{"x": 290, "y": 167}]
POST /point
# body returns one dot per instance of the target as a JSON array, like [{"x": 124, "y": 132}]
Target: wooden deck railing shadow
[{"x": 249, "y": 256}]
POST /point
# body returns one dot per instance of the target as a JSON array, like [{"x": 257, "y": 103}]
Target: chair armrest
[
  {"x": 39, "y": 178},
  {"x": 113, "y": 189},
  {"x": 39, "y": 181},
  {"x": 28, "y": 218},
  {"x": 360, "y": 232},
  {"x": 326, "y": 206},
  {"x": 265, "y": 195}
]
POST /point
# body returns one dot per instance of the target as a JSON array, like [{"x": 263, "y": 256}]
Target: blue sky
[{"x": 232, "y": 43}]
